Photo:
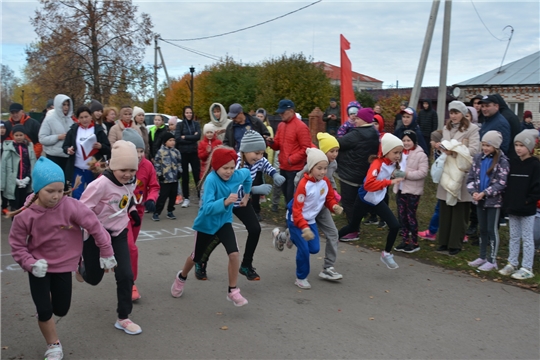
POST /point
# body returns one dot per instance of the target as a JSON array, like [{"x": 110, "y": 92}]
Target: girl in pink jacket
[{"x": 46, "y": 241}]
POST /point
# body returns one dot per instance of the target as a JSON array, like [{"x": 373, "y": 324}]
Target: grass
[{"x": 374, "y": 239}]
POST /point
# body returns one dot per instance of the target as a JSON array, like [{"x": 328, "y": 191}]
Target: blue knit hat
[{"x": 46, "y": 172}]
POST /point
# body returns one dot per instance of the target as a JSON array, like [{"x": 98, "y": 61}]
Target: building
[{"x": 360, "y": 81}]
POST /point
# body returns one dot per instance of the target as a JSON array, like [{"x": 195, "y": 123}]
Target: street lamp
[{"x": 191, "y": 70}]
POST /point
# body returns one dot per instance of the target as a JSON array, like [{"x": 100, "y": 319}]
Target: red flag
[{"x": 346, "y": 88}]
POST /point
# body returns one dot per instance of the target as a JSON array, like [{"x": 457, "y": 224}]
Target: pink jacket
[
  {"x": 416, "y": 170},
  {"x": 54, "y": 234}
]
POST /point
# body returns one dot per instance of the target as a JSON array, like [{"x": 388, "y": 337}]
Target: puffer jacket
[
  {"x": 428, "y": 119},
  {"x": 416, "y": 168},
  {"x": 191, "y": 131},
  {"x": 497, "y": 181},
  {"x": 292, "y": 139},
  {"x": 355, "y": 148},
  {"x": 56, "y": 123},
  {"x": 11, "y": 166}
]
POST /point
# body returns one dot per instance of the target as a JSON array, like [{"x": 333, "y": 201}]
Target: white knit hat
[
  {"x": 136, "y": 111},
  {"x": 315, "y": 156},
  {"x": 124, "y": 156},
  {"x": 388, "y": 142}
]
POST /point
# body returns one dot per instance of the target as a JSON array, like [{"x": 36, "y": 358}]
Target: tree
[
  {"x": 7, "y": 87},
  {"x": 95, "y": 46}
]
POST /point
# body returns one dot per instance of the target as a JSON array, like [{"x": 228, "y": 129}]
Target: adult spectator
[
  {"x": 109, "y": 118},
  {"x": 527, "y": 121},
  {"x": 513, "y": 121},
  {"x": 31, "y": 126},
  {"x": 219, "y": 120},
  {"x": 292, "y": 139},
  {"x": 96, "y": 109},
  {"x": 475, "y": 102},
  {"x": 138, "y": 119},
  {"x": 397, "y": 119},
  {"x": 188, "y": 133},
  {"x": 332, "y": 117},
  {"x": 54, "y": 129},
  {"x": 241, "y": 122},
  {"x": 493, "y": 120},
  {"x": 125, "y": 122},
  {"x": 49, "y": 106},
  {"x": 408, "y": 117},
  {"x": 377, "y": 109},
  {"x": 428, "y": 122}
]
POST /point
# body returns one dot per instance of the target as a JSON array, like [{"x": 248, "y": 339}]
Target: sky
[{"x": 386, "y": 36}]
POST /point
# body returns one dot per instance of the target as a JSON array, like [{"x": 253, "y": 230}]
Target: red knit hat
[{"x": 222, "y": 155}]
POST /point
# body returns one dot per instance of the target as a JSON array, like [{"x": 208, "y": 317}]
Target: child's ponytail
[{"x": 26, "y": 205}]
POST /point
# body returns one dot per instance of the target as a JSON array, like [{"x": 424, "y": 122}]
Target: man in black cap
[
  {"x": 241, "y": 122},
  {"x": 493, "y": 120},
  {"x": 31, "y": 126},
  {"x": 332, "y": 117}
]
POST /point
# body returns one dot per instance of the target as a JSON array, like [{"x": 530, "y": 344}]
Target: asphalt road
[{"x": 417, "y": 311}]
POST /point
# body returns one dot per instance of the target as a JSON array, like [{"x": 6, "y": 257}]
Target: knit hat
[
  {"x": 124, "y": 156},
  {"x": 327, "y": 142},
  {"x": 366, "y": 114},
  {"x": 173, "y": 120},
  {"x": 261, "y": 111},
  {"x": 474, "y": 114},
  {"x": 436, "y": 136},
  {"x": 315, "y": 156},
  {"x": 411, "y": 135},
  {"x": 388, "y": 142},
  {"x": 459, "y": 106},
  {"x": 166, "y": 137},
  {"x": 493, "y": 138},
  {"x": 252, "y": 141},
  {"x": 131, "y": 135},
  {"x": 528, "y": 138},
  {"x": 527, "y": 114},
  {"x": 136, "y": 111},
  {"x": 352, "y": 104},
  {"x": 208, "y": 127},
  {"x": 223, "y": 155},
  {"x": 46, "y": 172},
  {"x": 95, "y": 106},
  {"x": 18, "y": 128}
]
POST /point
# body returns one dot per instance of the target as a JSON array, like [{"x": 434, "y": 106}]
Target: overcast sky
[{"x": 386, "y": 36}]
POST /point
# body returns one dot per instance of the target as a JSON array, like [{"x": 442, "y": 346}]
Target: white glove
[
  {"x": 263, "y": 189},
  {"x": 107, "y": 263},
  {"x": 26, "y": 181},
  {"x": 338, "y": 210},
  {"x": 39, "y": 268},
  {"x": 278, "y": 179},
  {"x": 19, "y": 183},
  {"x": 307, "y": 234}
]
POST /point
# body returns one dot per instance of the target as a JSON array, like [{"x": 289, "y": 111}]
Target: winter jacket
[
  {"x": 147, "y": 186},
  {"x": 416, "y": 166},
  {"x": 526, "y": 125},
  {"x": 493, "y": 197},
  {"x": 292, "y": 139},
  {"x": 513, "y": 121},
  {"x": 115, "y": 133},
  {"x": 355, "y": 148},
  {"x": 203, "y": 152},
  {"x": 313, "y": 196},
  {"x": 498, "y": 123},
  {"x": 11, "y": 167},
  {"x": 154, "y": 139},
  {"x": 428, "y": 119},
  {"x": 252, "y": 123},
  {"x": 168, "y": 163},
  {"x": 452, "y": 187},
  {"x": 191, "y": 130},
  {"x": 523, "y": 187},
  {"x": 31, "y": 128},
  {"x": 332, "y": 125},
  {"x": 219, "y": 124},
  {"x": 54, "y": 234},
  {"x": 56, "y": 123},
  {"x": 345, "y": 128},
  {"x": 414, "y": 127}
]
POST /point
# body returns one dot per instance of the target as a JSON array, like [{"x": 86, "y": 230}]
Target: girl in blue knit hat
[{"x": 43, "y": 239}]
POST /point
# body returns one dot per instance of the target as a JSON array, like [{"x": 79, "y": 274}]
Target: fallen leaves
[{"x": 224, "y": 328}]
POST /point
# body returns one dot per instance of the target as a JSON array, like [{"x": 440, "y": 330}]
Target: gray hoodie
[
  {"x": 56, "y": 123},
  {"x": 221, "y": 123}
]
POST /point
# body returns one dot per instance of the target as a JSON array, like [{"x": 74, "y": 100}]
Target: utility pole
[
  {"x": 441, "y": 96},
  {"x": 415, "y": 94},
  {"x": 155, "y": 72}
]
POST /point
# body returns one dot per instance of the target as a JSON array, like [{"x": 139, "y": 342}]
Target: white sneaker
[
  {"x": 330, "y": 274},
  {"x": 185, "y": 203},
  {"x": 523, "y": 274},
  {"x": 507, "y": 270},
  {"x": 275, "y": 239},
  {"x": 54, "y": 352},
  {"x": 302, "y": 284},
  {"x": 388, "y": 260}
]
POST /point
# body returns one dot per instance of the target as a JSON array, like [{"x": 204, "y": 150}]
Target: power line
[
  {"x": 477, "y": 13},
  {"x": 249, "y": 27},
  {"x": 200, "y": 53}
]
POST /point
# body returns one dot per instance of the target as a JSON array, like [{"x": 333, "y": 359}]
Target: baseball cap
[
  {"x": 15, "y": 107},
  {"x": 489, "y": 99},
  {"x": 284, "y": 105},
  {"x": 234, "y": 110},
  {"x": 407, "y": 110}
]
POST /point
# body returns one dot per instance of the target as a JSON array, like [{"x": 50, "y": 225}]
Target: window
[{"x": 517, "y": 108}]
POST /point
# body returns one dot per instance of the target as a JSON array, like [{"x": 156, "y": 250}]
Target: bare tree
[{"x": 7, "y": 85}]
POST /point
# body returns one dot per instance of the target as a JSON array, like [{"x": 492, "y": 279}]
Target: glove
[
  {"x": 136, "y": 218},
  {"x": 399, "y": 174},
  {"x": 26, "y": 181},
  {"x": 39, "y": 268},
  {"x": 337, "y": 196},
  {"x": 337, "y": 209},
  {"x": 107, "y": 263},
  {"x": 278, "y": 179},
  {"x": 307, "y": 234},
  {"x": 150, "y": 206},
  {"x": 263, "y": 189}
]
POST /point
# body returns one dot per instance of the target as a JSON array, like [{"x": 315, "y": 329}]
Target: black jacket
[
  {"x": 355, "y": 148},
  {"x": 513, "y": 120},
  {"x": 156, "y": 143},
  {"x": 256, "y": 125},
  {"x": 428, "y": 120},
  {"x": 522, "y": 187},
  {"x": 191, "y": 130}
]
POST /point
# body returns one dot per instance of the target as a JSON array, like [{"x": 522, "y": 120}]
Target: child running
[
  {"x": 215, "y": 218},
  {"x": 110, "y": 197},
  {"x": 522, "y": 193},
  {"x": 383, "y": 172},
  {"x": 46, "y": 241},
  {"x": 486, "y": 183}
]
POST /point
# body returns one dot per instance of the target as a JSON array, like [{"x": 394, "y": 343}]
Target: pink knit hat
[{"x": 124, "y": 156}]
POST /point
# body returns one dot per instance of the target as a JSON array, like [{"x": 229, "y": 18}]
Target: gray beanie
[
  {"x": 458, "y": 106},
  {"x": 132, "y": 136},
  {"x": 493, "y": 138},
  {"x": 528, "y": 138},
  {"x": 252, "y": 141}
]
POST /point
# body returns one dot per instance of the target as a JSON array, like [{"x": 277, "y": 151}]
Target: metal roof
[{"x": 525, "y": 71}]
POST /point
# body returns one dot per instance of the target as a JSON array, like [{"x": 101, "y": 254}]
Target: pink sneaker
[
  {"x": 476, "y": 263},
  {"x": 236, "y": 298},
  {"x": 177, "y": 288},
  {"x": 350, "y": 237},
  {"x": 427, "y": 235},
  {"x": 128, "y": 326},
  {"x": 488, "y": 266}
]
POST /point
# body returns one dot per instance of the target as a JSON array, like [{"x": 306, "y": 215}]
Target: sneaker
[
  {"x": 54, "y": 352},
  {"x": 249, "y": 273},
  {"x": 200, "y": 271},
  {"x": 289, "y": 244},
  {"x": 5, "y": 211},
  {"x": 476, "y": 263},
  {"x": 276, "y": 239},
  {"x": 388, "y": 260},
  {"x": 302, "y": 284},
  {"x": 503, "y": 222},
  {"x": 185, "y": 203},
  {"x": 135, "y": 293},
  {"x": 472, "y": 230},
  {"x": 522, "y": 274},
  {"x": 177, "y": 288},
  {"x": 400, "y": 247},
  {"x": 411, "y": 248},
  {"x": 442, "y": 248},
  {"x": 128, "y": 326},
  {"x": 381, "y": 225},
  {"x": 236, "y": 298},
  {"x": 488, "y": 266},
  {"x": 453, "y": 251},
  {"x": 274, "y": 208},
  {"x": 466, "y": 239},
  {"x": 330, "y": 274},
  {"x": 372, "y": 220},
  {"x": 179, "y": 199},
  {"x": 507, "y": 270},
  {"x": 350, "y": 237},
  {"x": 427, "y": 235},
  {"x": 171, "y": 216},
  {"x": 155, "y": 217}
]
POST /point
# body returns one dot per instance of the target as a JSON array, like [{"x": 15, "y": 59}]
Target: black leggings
[
  {"x": 166, "y": 191},
  {"x": 381, "y": 209},
  {"x": 51, "y": 294},
  {"x": 225, "y": 235},
  {"x": 192, "y": 159},
  {"x": 256, "y": 199}
]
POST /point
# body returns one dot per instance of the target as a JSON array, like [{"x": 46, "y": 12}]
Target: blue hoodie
[{"x": 414, "y": 127}]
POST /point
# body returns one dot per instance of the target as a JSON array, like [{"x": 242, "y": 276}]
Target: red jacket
[
  {"x": 147, "y": 186},
  {"x": 203, "y": 152},
  {"x": 292, "y": 139}
]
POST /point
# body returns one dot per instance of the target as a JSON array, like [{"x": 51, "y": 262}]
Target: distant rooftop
[
  {"x": 334, "y": 73},
  {"x": 525, "y": 71}
]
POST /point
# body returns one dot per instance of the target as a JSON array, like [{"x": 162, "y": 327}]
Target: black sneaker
[
  {"x": 381, "y": 225},
  {"x": 200, "y": 271},
  {"x": 454, "y": 251},
  {"x": 249, "y": 273},
  {"x": 442, "y": 248},
  {"x": 400, "y": 247},
  {"x": 411, "y": 248},
  {"x": 274, "y": 208},
  {"x": 372, "y": 220},
  {"x": 472, "y": 230}
]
